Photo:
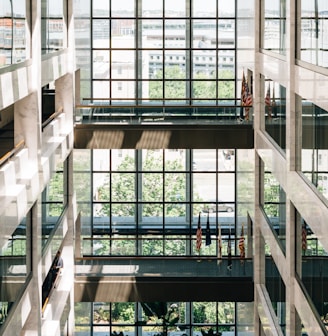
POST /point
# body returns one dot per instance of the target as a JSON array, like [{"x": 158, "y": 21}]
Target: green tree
[
  {"x": 162, "y": 313},
  {"x": 204, "y": 86}
]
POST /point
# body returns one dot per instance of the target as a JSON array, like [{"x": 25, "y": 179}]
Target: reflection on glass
[
  {"x": 315, "y": 146},
  {"x": 275, "y": 111},
  {"x": 274, "y": 206}
]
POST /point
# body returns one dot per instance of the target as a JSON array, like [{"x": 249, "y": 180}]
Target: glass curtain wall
[
  {"x": 54, "y": 201},
  {"x": 273, "y": 203},
  {"x": 314, "y": 146},
  {"x": 12, "y": 32},
  {"x": 274, "y": 26},
  {"x": 164, "y": 318},
  {"x": 15, "y": 266},
  {"x": 311, "y": 268},
  {"x": 52, "y": 20},
  {"x": 275, "y": 112},
  {"x": 313, "y": 46},
  {"x": 142, "y": 52},
  {"x": 149, "y": 202}
]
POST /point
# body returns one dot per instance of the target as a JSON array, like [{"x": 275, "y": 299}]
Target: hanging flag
[
  {"x": 243, "y": 94},
  {"x": 199, "y": 235},
  {"x": 268, "y": 102},
  {"x": 246, "y": 96},
  {"x": 219, "y": 246},
  {"x": 208, "y": 231},
  {"x": 229, "y": 253},
  {"x": 304, "y": 239},
  {"x": 273, "y": 103},
  {"x": 241, "y": 244}
]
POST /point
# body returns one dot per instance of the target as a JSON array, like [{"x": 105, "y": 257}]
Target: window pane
[
  {"x": 175, "y": 8},
  {"x": 151, "y": 8},
  {"x": 122, "y": 8},
  {"x": 204, "y": 8}
]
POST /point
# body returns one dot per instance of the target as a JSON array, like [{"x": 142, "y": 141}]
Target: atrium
[{"x": 163, "y": 167}]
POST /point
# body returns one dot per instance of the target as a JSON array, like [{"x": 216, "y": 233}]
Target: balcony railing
[{"x": 124, "y": 112}]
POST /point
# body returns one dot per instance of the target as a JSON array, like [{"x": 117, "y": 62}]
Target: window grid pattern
[
  {"x": 162, "y": 54},
  {"x": 149, "y": 202}
]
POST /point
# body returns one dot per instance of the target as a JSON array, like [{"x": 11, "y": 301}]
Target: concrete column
[
  {"x": 28, "y": 125},
  {"x": 291, "y": 150},
  {"x": 65, "y": 97},
  {"x": 259, "y": 245}
]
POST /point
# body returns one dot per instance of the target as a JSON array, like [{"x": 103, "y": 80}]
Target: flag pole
[
  {"x": 229, "y": 252},
  {"x": 199, "y": 235},
  {"x": 219, "y": 246}
]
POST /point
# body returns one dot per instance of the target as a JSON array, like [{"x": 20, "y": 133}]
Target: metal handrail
[
  {"x": 52, "y": 117},
  {"x": 5, "y": 158}
]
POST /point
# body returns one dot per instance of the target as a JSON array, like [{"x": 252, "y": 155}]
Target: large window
[
  {"x": 314, "y": 146},
  {"x": 164, "y": 318},
  {"x": 275, "y": 112},
  {"x": 313, "y": 46},
  {"x": 273, "y": 203},
  {"x": 12, "y": 32},
  {"x": 274, "y": 26},
  {"x": 143, "y": 51},
  {"x": 52, "y": 32},
  {"x": 54, "y": 201},
  {"x": 149, "y": 202}
]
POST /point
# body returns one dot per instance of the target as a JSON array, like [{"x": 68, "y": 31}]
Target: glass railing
[
  {"x": 164, "y": 267},
  {"x": 89, "y": 112}
]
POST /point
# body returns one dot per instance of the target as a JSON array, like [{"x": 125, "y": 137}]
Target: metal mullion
[
  {"x": 217, "y": 54},
  {"x": 235, "y": 52},
  {"x": 163, "y": 200},
  {"x": 163, "y": 58},
  {"x": 189, "y": 158},
  {"x": 188, "y": 67},
  {"x": 110, "y": 201},
  {"x": 110, "y": 55},
  {"x": 137, "y": 39},
  {"x": 138, "y": 190}
]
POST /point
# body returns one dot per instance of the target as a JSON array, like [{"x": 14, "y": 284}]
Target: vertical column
[
  {"x": 69, "y": 241},
  {"x": 259, "y": 245},
  {"x": 291, "y": 127},
  {"x": 258, "y": 122},
  {"x": 27, "y": 125},
  {"x": 65, "y": 97}
]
